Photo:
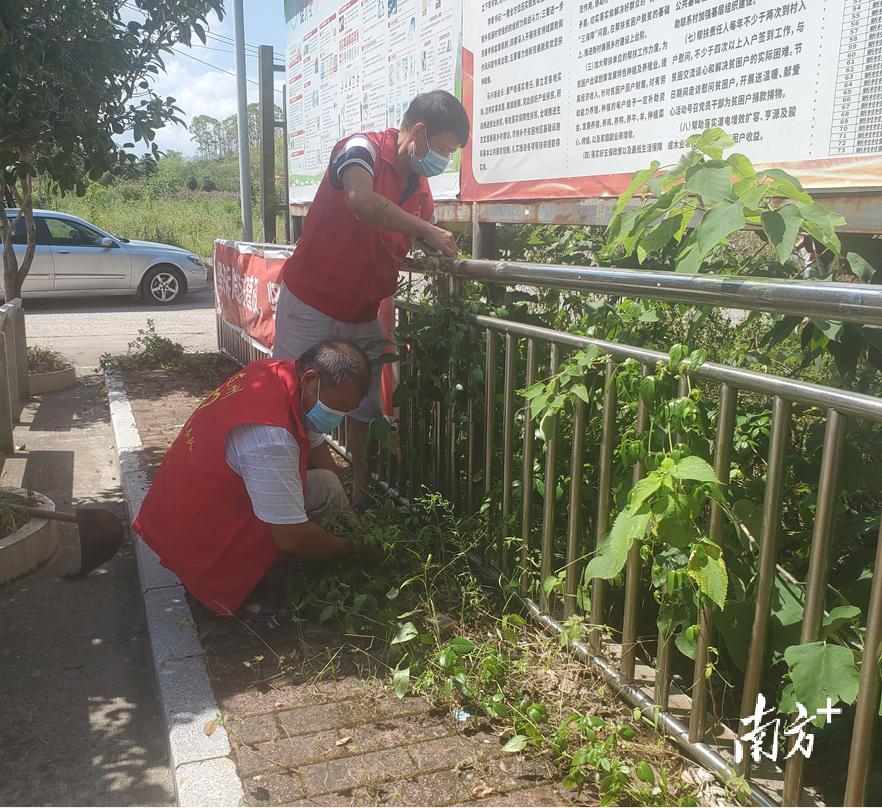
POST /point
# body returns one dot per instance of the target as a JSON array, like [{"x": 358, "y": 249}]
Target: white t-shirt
[{"x": 267, "y": 458}]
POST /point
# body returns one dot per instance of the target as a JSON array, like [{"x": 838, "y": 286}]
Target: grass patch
[
  {"x": 425, "y": 618},
  {"x": 44, "y": 360},
  {"x": 11, "y": 516}
]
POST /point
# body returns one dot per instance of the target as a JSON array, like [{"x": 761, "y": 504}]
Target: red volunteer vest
[
  {"x": 197, "y": 515},
  {"x": 342, "y": 266}
]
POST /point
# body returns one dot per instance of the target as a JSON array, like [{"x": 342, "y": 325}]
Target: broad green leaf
[
  {"x": 676, "y": 174},
  {"x": 547, "y": 426},
  {"x": 533, "y": 390},
  {"x": 712, "y": 142},
  {"x": 780, "y": 331},
  {"x": 649, "y": 316},
  {"x": 752, "y": 194},
  {"x": 581, "y": 391},
  {"x": 462, "y": 645},
  {"x": 515, "y": 744},
  {"x": 647, "y": 390},
  {"x": 613, "y": 550},
  {"x": 838, "y": 617},
  {"x": 675, "y": 529},
  {"x": 693, "y": 468},
  {"x": 658, "y": 238},
  {"x": 708, "y": 569},
  {"x": 742, "y": 165},
  {"x": 687, "y": 641},
  {"x": 637, "y": 181},
  {"x": 406, "y": 632},
  {"x": 826, "y": 237},
  {"x": 819, "y": 671},
  {"x": 327, "y": 613},
  {"x": 735, "y": 624},
  {"x": 860, "y": 267},
  {"x": 711, "y": 180},
  {"x": 782, "y": 228},
  {"x": 717, "y": 224},
  {"x": 782, "y": 176},
  {"x": 548, "y": 584},
  {"x": 689, "y": 258},
  {"x": 645, "y": 773},
  {"x": 401, "y": 682},
  {"x": 645, "y": 488},
  {"x": 831, "y": 329}
]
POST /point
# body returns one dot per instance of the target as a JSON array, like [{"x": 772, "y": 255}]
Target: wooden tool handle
[{"x": 41, "y": 513}]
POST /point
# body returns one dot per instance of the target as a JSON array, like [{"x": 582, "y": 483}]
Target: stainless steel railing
[
  {"x": 449, "y": 453},
  {"x": 13, "y": 370},
  {"x": 452, "y": 453}
]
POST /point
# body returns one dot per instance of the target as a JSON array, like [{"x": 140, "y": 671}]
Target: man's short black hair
[
  {"x": 337, "y": 361},
  {"x": 440, "y": 112}
]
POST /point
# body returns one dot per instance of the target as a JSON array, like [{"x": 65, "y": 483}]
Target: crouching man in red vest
[{"x": 249, "y": 475}]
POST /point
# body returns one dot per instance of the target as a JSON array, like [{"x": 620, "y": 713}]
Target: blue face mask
[
  {"x": 431, "y": 165},
  {"x": 322, "y": 418}
]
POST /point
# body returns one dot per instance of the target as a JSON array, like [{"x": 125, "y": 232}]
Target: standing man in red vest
[
  {"x": 373, "y": 202},
  {"x": 249, "y": 476}
]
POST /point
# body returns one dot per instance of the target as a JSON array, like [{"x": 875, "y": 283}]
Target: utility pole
[
  {"x": 268, "y": 206},
  {"x": 242, "y": 115}
]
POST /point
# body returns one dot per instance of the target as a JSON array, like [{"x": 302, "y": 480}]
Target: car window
[{"x": 71, "y": 234}]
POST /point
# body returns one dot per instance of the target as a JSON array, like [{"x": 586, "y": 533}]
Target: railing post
[
  {"x": 7, "y": 435},
  {"x": 634, "y": 566},
  {"x": 768, "y": 553},
  {"x": 604, "y": 484},
  {"x": 545, "y": 562},
  {"x": 819, "y": 566},
  {"x": 722, "y": 463}
]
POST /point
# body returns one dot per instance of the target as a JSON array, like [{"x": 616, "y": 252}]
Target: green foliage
[
  {"x": 487, "y": 662},
  {"x": 819, "y": 671},
  {"x": 690, "y": 210},
  {"x": 152, "y": 351},
  {"x": 44, "y": 360},
  {"x": 56, "y": 124}
]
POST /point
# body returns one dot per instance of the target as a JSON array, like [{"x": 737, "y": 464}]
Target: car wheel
[{"x": 162, "y": 286}]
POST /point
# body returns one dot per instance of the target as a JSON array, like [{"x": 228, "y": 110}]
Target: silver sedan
[{"x": 77, "y": 259}]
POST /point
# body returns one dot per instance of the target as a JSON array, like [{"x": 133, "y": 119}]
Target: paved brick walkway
[{"x": 311, "y": 727}]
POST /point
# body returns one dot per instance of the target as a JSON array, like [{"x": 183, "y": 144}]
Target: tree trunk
[
  {"x": 14, "y": 273},
  {"x": 10, "y": 260}
]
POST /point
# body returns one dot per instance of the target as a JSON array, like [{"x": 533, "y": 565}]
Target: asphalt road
[{"x": 84, "y": 328}]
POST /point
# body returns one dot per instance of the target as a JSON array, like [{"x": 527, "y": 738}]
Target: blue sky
[{"x": 201, "y": 89}]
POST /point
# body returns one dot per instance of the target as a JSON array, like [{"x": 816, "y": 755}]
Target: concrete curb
[{"x": 203, "y": 772}]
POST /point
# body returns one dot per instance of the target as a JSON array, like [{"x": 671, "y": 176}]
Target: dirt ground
[{"x": 313, "y": 727}]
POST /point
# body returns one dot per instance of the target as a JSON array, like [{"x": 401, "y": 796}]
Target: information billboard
[
  {"x": 570, "y": 97},
  {"x": 354, "y": 66}
]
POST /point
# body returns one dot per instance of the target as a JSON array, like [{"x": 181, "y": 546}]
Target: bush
[
  {"x": 208, "y": 184},
  {"x": 192, "y": 184},
  {"x": 43, "y": 360}
]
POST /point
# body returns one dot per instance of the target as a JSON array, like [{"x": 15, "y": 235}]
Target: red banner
[{"x": 247, "y": 282}]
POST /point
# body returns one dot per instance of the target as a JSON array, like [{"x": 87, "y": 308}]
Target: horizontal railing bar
[
  {"x": 851, "y": 302},
  {"x": 800, "y": 392}
]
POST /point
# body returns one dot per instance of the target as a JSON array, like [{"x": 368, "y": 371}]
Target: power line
[
  {"x": 220, "y": 69},
  {"x": 222, "y": 38}
]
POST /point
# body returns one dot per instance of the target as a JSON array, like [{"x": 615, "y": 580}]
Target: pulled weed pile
[
  {"x": 426, "y": 615},
  {"x": 11, "y": 515}
]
